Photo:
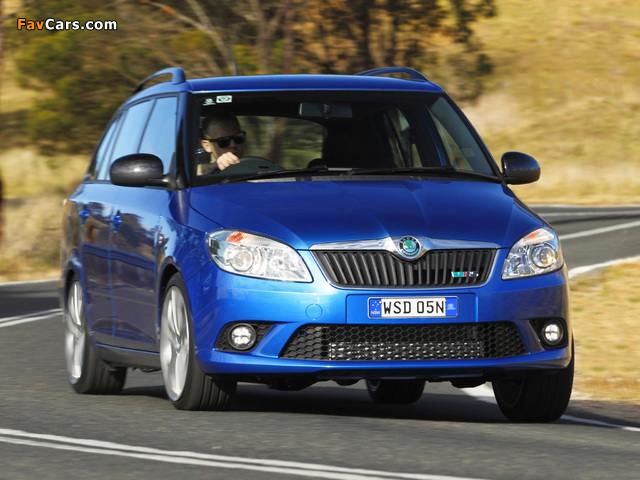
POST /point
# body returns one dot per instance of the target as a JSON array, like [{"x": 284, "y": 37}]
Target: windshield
[{"x": 306, "y": 134}]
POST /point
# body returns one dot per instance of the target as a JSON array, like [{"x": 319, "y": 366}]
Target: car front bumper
[{"x": 218, "y": 299}]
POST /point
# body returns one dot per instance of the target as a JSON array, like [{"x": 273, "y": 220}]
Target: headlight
[
  {"x": 253, "y": 255},
  {"x": 536, "y": 253}
]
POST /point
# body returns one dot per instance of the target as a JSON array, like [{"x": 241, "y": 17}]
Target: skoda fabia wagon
[{"x": 292, "y": 229}]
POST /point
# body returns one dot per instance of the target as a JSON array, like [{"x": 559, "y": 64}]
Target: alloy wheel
[
  {"x": 75, "y": 333},
  {"x": 174, "y": 343}
]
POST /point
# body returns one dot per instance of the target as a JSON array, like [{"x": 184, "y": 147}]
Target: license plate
[{"x": 415, "y": 307}]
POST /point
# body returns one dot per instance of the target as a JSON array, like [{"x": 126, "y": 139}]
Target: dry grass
[
  {"x": 30, "y": 239},
  {"x": 34, "y": 187},
  {"x": 27, "y": 174},
  {"x": 566, "y": 90},
  {"x": 584, "y": 185},
  {"x": 606, "y": 313},
  {"x": 31, "y": 223}
]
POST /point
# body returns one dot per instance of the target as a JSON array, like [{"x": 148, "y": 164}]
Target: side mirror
[
  {"x": 138, "y": 170},
  {"x": 519, "y": 168}
]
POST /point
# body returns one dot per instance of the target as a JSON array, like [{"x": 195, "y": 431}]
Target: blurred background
[{"x": 557, "y": 80}]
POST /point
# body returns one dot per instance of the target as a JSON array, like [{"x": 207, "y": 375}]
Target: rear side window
[{"x": 160, "y": 135}]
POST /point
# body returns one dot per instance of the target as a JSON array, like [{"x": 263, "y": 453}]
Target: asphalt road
[
  {"x": 325, "y": 431},
  {"x": 595, "y": 236}
]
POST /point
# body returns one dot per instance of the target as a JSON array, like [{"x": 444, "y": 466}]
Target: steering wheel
[{"x": 250, "y": 165}]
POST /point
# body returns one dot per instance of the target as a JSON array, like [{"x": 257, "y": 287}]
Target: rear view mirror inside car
[{"x": 326, "y": 110}]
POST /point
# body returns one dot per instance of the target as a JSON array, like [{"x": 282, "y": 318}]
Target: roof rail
[
  {"x": 177, "y": 76},
  {"x": 385, "y": 70}
]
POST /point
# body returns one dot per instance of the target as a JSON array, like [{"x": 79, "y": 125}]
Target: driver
[{"x": 223, "y": 139}]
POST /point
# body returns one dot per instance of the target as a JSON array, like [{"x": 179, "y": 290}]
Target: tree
[
  {"x": 344, "y": 36},
  {"x": 253, "y": 34},
  {"x": 339, "y": 36},
  {"x": 84, "y": 75}
]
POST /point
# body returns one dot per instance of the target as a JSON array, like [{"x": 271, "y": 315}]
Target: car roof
[
  {"x": 310, "y": 82},
  {"x": 297, "y": 82}
]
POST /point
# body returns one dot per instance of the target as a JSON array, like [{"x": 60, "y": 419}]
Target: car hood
[{"x": 304, "y": 213}]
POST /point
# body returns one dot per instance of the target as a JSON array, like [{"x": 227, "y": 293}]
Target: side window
[
  {"x": 160, "y": 135},
  {"x": 102, "y": 158},
  {"x": 461, "y": 148},
  {"x": 454, "y": 152},
  {"x": 403, "y": 149},
  {"x": 129, "y": 134}
]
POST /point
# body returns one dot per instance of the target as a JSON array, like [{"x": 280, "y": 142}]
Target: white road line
[
  {"x": 27, "y": 282},
  {"x": 33, "y": 317},
  {"x": 574, "y": 272},
  {"x": 484, "y": 393},
  {"x": 604, "y": 213},
  {"x": 597, "y": 231},
  {"x": 56, "y": 442},
  {"x": 599, "y": 423}
]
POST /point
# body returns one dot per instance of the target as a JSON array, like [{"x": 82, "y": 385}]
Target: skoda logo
[{"x": 409, "y": 246}]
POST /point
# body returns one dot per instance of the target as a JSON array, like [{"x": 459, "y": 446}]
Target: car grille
[
  {"x": 437, "y": 268},
  {"x": 405, "y": 342}
]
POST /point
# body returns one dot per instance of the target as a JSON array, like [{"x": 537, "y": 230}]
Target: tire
[
  {"x": 86, "y": 372},
  {"x": 541, "y": 398},
  {"x": 186, "y": 385},
  {"x": 395, "y": 391}
]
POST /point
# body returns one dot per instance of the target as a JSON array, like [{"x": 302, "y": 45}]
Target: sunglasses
[{"x": 224, "y": 142}]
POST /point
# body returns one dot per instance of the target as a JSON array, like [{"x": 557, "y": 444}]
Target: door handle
[
  {"x": 117, "y": 220},
  {"x": 84, "y": 215}
]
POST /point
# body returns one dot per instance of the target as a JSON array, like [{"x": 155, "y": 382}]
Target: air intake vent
[{"x": 462, "y": 341}]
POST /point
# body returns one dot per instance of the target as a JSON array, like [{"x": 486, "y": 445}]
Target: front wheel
[
  {"x": 395, "y": 391},
  {"x": 541, "y": 398},
  {"x": 186, "y": 384},
  {"x": 85, "y": 371}
]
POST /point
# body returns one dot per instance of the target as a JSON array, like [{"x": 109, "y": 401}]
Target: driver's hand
[{"x": 226, "y": 159}]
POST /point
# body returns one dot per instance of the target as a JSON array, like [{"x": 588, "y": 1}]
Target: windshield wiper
[
  {"x": 440, "y": 170},
  {"x": 391, "y": 170},
  {"x": 278, "y": 173}
]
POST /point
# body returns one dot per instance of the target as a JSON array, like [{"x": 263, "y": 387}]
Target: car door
[
  {"x": 135, "y": 238},
  {"x": 96, "y": 203},
  {"x": 91, "y": 206}
]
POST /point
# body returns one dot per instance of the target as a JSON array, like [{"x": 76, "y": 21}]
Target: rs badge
[{"x": 465, "y": 274}]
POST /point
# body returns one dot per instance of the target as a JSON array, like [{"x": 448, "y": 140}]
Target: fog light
[
  {"x": 553, "y": 333},
  {"x": 242, "y": 337}
]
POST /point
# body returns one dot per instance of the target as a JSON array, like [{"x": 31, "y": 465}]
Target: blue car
[{"x": 291, "y": 229}]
